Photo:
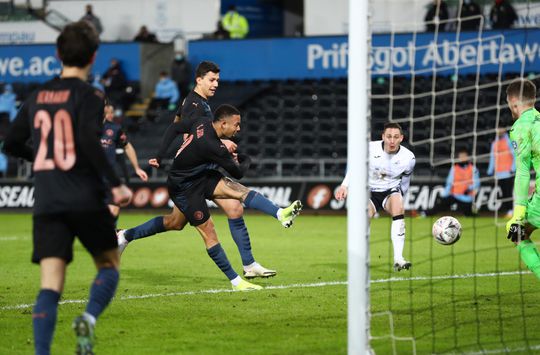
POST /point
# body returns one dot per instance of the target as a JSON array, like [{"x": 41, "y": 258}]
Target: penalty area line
[{"x": 283, "y": 287}]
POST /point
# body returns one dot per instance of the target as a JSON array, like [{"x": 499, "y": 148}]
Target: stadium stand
[{"x": 298, "y": 128}]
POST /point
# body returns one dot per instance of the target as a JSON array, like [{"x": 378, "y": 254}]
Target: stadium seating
[{"x": 299, "y": 127}]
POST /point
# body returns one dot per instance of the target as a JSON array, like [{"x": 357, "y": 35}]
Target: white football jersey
[{"x": 387, "y": 171}]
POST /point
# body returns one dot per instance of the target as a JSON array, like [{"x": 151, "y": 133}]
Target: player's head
[
  {"x": 227, "y": 121},
  {"x": 108, "y": 111},
  {"x": 392, "y": 137},
  {"x": 206, "y": 79},
  {"x": 463, "y": 156},
  {"x": 77, "y": 45},
  {"x": 520, "y": 95}
]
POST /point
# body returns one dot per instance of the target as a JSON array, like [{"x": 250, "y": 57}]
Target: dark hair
[
  {"x": 523, "y": 89},
  {"x": 224, "y": 111},
  {"x": 77, "y": 44},
  {"x": 463, "y": 150},
  {"x": 392, "y": 125},
  {"x": 163, "y": 73},
  {"x": 205, "y": 67}
]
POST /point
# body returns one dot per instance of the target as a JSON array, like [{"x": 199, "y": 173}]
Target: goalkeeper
[{"x": 525, "y": 138}]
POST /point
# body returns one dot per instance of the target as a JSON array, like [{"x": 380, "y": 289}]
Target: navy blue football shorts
[{"x": 190, "y": 196}]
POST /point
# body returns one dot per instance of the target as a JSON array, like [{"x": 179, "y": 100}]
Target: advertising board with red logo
[{"x": 315, "y": 195}]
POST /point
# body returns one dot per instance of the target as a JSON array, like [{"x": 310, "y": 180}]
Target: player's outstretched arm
[
  {"x": 341, "y": 193},
  {"x": 132, "y": 156},
  {"x": 122, "y": 195},
  {"x": 343, "y": 190},
  {"x": 522, "y": 146},
  {"x": 406, "y": 178}
]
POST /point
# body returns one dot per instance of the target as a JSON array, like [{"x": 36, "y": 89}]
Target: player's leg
[
  {"x": 371, "y": 209},
  {"x": 234, "y": 211},
  {"x": 46, "y": 307},
  {"x": 100, "y": 241},
  {"x": 52, "y": 241},
  {"x": 218, "y": 255},
  {"x": 394, "y": 206},
  {"x": 526, "y": 247},
  {"x": 191, "y": 201},
  {"x": 173, "y": 221},
  {"x": 227, "y": 188}
]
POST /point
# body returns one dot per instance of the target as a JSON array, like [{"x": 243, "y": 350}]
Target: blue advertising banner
[
  {"x": 400, "y": 54},
  {"x": 38, "y": 62}
]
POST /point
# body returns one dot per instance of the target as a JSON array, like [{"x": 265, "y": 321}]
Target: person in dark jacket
[
  {"x": 437, "y": 12},
  {"x": 502, "y": 15},
  {"x": 470, "y": 16}
]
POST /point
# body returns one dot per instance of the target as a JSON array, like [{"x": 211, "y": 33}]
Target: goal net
[{"x": 446, "y": 88}]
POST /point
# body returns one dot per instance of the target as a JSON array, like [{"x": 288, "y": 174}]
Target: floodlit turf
[{"x": 164, "y": 306}]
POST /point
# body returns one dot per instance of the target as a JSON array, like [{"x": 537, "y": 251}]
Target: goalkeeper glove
[{"x": 515, "y": 226}]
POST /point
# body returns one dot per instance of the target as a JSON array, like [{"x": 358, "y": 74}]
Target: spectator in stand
[
  {"x": 502, "y": 163},
  {"x": 145, "y": 36},
  {"x": 234, "y": 23},
  {"x": 92, "y": 19},
  {"x": 469, "y": 9},
  {"x": 3, "y": 165},
  {"x": 462, "y": 184},
  {"x": 166, "y": 89},
  {"x": 96, "y": 82},
  {"x": 181, "y": 73},
  {"x": 166, "y": 96},
  {"x": 8, "y": 102},
  {"x": 437, "y": 12},
  {"x": 502, "y": 15},
  {"x": 115, "y": 83}
]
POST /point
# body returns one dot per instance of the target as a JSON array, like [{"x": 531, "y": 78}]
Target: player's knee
[
  {"x": 173, "y": 222},
  {"x": 108, "y": 259},
  {"x": 234, "y": 210}
]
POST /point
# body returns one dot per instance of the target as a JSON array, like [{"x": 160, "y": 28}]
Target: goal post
[{"x": 357, "y": 165}]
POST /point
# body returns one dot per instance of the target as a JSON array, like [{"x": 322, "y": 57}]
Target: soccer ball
[{"x": 446, "y": 230}]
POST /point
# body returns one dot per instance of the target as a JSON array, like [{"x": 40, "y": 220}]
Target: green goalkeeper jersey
[{"x": 525, "y": 137}]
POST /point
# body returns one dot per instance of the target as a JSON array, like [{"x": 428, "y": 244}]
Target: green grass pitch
[{"x": 469, "y": 298}]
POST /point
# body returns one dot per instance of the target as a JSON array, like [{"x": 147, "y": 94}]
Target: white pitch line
[
  {"x": 10, "y": 238},
  {"x": 282, "y": 287}
]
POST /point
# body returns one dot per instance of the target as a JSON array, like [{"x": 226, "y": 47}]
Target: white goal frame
[{"x": 358, "y": 136}]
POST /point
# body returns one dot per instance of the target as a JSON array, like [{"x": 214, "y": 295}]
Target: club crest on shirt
[{"x": 109, "y": 132}]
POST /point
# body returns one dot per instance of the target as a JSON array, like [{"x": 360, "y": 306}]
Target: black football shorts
[
  {"x": 379, "y": 198},
  {"x": 54, "y": 234},
  {"x": 190, "y": 196}
]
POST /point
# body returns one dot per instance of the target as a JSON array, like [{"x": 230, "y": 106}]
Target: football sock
[
  {"x": 102, "y": 291},
  {"x": 529, "y": 255},
  {"x": 151, "y": 227},
  {"x": 240, "y": 235},
  {"x": 257, "y": 201},
  {"x": 397, "y": 233},
  {"x": 90, "y": 318},
  {"x": 220, "y": 258},
  {"x": 44, "y": 320},
  {"x": 236, "y": 281}
]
